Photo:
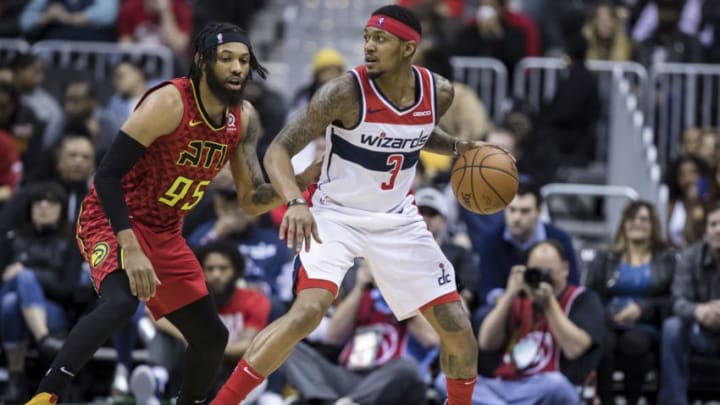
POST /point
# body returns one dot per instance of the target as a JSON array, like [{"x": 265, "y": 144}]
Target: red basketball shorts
[{"x": 181, "y": 275}]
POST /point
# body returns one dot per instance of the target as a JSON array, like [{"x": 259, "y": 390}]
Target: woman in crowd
[
  {"x": 41, "y": 269},
  {"x": 688, "y": 183},
  {"x": 633, "y": 279}
]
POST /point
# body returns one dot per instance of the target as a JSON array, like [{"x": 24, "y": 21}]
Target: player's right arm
[
  {"x": 336, "y": 101},
  {"x": 159, "y": 114}
]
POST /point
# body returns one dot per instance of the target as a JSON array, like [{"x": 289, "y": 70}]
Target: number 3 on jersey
[
  {"x": 179, "y": 189},
  {"x": 396, "y": 161}
]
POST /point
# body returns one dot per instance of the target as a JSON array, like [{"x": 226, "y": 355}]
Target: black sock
[{"x": 117, "y": 305}]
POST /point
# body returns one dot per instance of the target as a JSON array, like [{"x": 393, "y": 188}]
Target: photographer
[{"x": 549, "y": 330}]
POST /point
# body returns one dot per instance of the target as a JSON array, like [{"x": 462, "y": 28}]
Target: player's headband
[
  {"x": 393, "y": 26},
  {"x": 225, "y": 37}
]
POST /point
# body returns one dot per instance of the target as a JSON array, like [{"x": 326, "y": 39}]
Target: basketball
[{"x": 484, "y": 179}]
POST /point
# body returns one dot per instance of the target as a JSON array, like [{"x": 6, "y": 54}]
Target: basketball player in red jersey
[
  {"x": 376, "y": 118},
  {"x": 180, "y": 135}
]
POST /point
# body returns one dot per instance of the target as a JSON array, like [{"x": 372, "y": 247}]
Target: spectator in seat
[
  {"x": 84, "y": 20},
  {"x": 549, "y": 332},
  {"x": 633, "y": 280},
  {"x": 156, "y": 22},
  {"x": 568, "y": 121},
  {"x": 491, "y": 36},
  {"x": 82, "y": 115},
  {"x": 21, "y": 122},
  {"x": 695, "y": 326},
  {"x": 687, "y": 179},
  {"x": 130, "y": 85},
  {"x": 71, "y": 165},
  {"x": 28, "y": 76},
  {"x": 508, "y": 245},
  {"x": 41, "y": 271},
  {"x": 526, "y": 24},
  {"x": 708, "y": 146},
  {"x": 244, "y": 312},
  {"x": 668, "y": 44},
  {"x": 606, "y": 36},
  {"x": 372, "y": 368},
  {"x": 10, "y": 167},
  {"x": 690, "y": 141}
]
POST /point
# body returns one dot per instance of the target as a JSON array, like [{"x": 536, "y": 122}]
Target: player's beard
[{"x": 226, "y": 96}]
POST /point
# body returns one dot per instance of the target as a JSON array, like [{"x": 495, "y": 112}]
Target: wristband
[{"x": 296, "y": 201}]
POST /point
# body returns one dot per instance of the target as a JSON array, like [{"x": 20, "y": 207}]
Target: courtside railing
[
  {"x": 682, "y": 96},
  {"x": 488, "y": 77}
]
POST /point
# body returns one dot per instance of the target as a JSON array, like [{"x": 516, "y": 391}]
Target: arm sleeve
[{"x": 123, "y": 154}]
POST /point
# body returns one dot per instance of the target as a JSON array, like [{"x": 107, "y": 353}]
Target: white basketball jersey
[{"x": 371, "y": 167}]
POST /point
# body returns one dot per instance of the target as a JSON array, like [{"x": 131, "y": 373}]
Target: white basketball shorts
[{"x": 407, "y": 264}]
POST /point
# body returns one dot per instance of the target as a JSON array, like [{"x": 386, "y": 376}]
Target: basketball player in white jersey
[{"x": 376, "y": 119}]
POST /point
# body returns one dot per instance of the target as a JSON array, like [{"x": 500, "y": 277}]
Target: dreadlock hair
[
  {"x": 402, "y": 14},
  {"x": 203, "y": 58}
]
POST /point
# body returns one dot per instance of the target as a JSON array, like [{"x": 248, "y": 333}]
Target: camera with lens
[{"x": 533, "y": 276}]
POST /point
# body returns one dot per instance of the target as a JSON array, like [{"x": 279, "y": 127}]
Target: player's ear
[{"x": 409, "y": 49}]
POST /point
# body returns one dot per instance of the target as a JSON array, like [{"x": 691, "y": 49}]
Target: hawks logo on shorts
[{"x": 99, "y": 253}]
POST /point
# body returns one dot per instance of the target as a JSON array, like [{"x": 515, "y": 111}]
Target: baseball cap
[{"x": 432, "y": 198}]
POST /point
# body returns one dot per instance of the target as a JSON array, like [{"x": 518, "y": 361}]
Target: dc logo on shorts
[{"x": 444, "y": 277}]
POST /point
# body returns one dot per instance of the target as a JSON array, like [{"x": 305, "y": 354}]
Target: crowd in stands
[{"x": 647, "y": 305}]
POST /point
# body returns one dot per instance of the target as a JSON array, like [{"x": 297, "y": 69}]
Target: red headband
[{"x": 393, "y": 26}]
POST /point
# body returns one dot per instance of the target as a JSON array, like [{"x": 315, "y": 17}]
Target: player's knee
[{"x": 305, "y": 316}]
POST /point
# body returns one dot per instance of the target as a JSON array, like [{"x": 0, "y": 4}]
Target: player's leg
[
  {"x": 458, "y": 349},
  {"x": 272, "y": 346},
  {"x": 115, "y": 308},
  {"x": 206, "y": 337},
  {"x": 412, "y": 273},
  {"x": 318, "y": 274}
]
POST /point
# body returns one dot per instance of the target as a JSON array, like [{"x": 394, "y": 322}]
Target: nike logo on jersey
[
  {"x": 382, "y": 141},
  {"x": 193, "y": 123},
  {"x": 374, "y": 110}
]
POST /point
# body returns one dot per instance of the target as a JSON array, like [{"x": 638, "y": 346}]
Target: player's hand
[
  {"x": 298, "y": 227},
  {"x": 478, "y": 144},
  {"x": 143, "y": 280}
]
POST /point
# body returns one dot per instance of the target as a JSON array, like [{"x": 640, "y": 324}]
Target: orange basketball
[{"x": 484, "y": 179}]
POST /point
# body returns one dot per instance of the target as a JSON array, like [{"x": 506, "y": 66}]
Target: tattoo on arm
[
  {"x": 264, "y": 192},
  {"x": 444, "y": 94},
  {"x": 440, "y": 141},
  {"x": 335, "y": 101}
]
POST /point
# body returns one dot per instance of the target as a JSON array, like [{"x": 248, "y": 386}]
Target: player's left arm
[
  {"x": 255, "y": 196},
  {"x": 441, "y": 142}
]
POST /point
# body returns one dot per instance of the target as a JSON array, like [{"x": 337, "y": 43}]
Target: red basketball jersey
[{"x": 173, "y": 173}]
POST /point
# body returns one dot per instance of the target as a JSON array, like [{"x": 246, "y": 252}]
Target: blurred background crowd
[{"x": 550, "y": 80}]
